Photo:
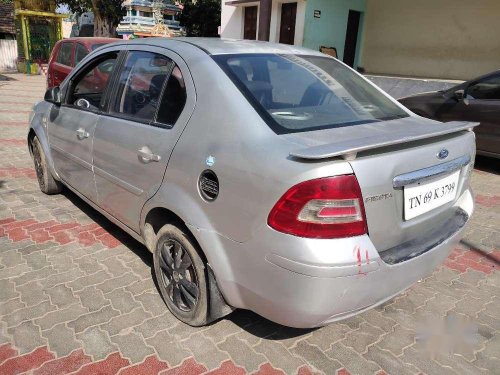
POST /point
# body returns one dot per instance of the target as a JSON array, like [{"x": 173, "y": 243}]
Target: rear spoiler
[{"x": 349, "y": 148}]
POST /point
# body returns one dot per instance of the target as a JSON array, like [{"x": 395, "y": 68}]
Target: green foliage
[
  {"x": 4, "y": 2},
  {"x": 111, "y": 10},
  {"x": 201, "y": 17}
]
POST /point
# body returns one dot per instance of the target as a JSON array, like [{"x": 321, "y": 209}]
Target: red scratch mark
[
  {"x": 367, "y": 257},
  {"x": 357, "y": 254}
]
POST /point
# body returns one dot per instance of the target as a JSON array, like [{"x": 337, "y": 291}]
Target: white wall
[
  {"x": 8, "y": 54},
  {"x": 456, "y": 39},
  {"x": 232, "y": 19}
]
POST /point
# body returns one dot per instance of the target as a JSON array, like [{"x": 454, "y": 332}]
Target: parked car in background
[
  {"x": 475, "y": 100},
  {"x": 261, "y": 176},
  {"x": 67, "y": 53}
]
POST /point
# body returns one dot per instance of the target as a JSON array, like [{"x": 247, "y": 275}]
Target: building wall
[
  {"x": 232, "y": 20},
  {"x": 455, "y": 39},
  {"x": 330, "y": 29}
]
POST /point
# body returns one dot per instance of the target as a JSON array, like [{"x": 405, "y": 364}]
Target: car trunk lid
[{"x": 392, "y": 156}]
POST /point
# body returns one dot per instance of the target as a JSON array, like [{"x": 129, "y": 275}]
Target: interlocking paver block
[
  {"x": 61, "y": 340},
  {"x": 279, "y": 356},
  {"x": 204, "y": 351},
  {"x": 27, "y": 337},
  {"x": 122, "y": 300},
  {"x": 92, "y": 298},
  {"x": 94, "y": 318},
  {"x": 151, "y": 326},
  {"x": 168, "y": 348},
  {"x": 96, "y": 343},
  {"x": 396, "y": 340},
  {"x": 316, "y": 357},
  {"x": 61, "y": 295},
  {"x": 120, "y": 322},
  {"x": 132, "y": 346},
  {"x": 67, "y": 314},
  {"x": 360, "y": 339},
  {"x": 352, "y": 360},
  {"x": 241, "y": 353},
  {"x": 389, "y": 363}
]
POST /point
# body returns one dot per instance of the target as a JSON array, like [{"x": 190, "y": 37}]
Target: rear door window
[
  {"x": 173, "y": 99},
  {"x": 80, "y": 53},
  {"x": 140, "y": 85},
  {"x": 64, "y": 54},
  {"x": 295, "y": 93}
]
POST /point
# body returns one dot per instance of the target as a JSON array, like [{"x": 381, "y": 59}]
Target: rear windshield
[
  {"x": 296, "y": 93},
  {"x": 96, "y": 46}
]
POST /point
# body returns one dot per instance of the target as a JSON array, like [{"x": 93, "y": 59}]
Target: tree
[
  {"x": 201, "y": 17},
  {"x": 107, "y": 13}
]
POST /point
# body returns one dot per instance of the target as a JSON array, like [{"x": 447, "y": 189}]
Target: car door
[
  {"x": 153, "y": 99},
  {"x": 72, "y": 124},
  {"x": 481, "y": 103},
  {"x": 63, "y": 62}
]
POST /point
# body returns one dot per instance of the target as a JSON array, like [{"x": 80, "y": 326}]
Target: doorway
[
  {"x": 287, "y": 27},
  {"x": 351, "y": 37},
  {"x": 250, "y": 23}
]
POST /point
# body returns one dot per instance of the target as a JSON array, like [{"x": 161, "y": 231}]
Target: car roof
[
  {"x": 218, "y": 46},
  {"x": 89, "y": 41}
]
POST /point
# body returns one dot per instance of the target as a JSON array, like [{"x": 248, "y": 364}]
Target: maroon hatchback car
[{"x": 67, "y": 53}]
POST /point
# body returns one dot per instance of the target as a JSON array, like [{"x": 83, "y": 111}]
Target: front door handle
[
  {"x": 82, "y": 134},
  {"x": 146, "y": 155}
]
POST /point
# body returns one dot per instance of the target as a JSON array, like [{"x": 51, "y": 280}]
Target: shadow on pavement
[
  {"x": 139, "y": 249},
  {"x": 477, "y": 249},
  {"x": 487, "y": 164},
  {"x": 5, "y": 78}
]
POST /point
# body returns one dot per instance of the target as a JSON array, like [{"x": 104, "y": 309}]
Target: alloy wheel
[
  {"x": 38, "y": 167},
  {"x": 179, "y": 276}
]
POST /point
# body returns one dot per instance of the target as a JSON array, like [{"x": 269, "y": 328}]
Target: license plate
[{"x": 424, "y": 197}]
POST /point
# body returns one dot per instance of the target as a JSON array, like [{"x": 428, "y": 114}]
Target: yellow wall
[{"x": 457, "y": 39}]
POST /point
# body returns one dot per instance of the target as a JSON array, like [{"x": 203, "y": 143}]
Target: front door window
[
  {"x": 87, "y": 90},
  {"x": 140, "y": 85}
]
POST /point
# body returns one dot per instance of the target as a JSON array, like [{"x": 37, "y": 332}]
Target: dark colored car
[
  {"x": 477, "y": 100},
  {"x": 67, "y": 53}
]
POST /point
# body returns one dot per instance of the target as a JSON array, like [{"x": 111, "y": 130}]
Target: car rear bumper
[{"x": 307, "y": 283}]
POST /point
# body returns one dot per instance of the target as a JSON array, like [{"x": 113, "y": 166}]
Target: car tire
[
  {"x": 181, "y": 275},
  {"x": 46, "y": 181}
]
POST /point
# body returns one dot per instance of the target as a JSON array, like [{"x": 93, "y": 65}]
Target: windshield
[{"x": 295, "y": 93}]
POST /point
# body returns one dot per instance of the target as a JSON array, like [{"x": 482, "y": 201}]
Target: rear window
[
  {"x": 64, "y": 54},
  {"x": 96, "y": 46},
  {"x": 296, "y": 93}
]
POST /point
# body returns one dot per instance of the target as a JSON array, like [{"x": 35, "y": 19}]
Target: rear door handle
[
  {"x": 146, "y": 155},
  {"x": 82, "y": 134}
]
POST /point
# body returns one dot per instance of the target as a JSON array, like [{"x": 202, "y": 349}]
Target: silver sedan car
[{"x": 261, "y": 176}]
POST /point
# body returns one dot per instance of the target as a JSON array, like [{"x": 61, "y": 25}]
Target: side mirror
[
  {"x": 460, "y": 95},
  {"x": 53, "y": 95}
]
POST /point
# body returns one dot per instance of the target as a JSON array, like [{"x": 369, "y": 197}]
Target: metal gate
[{"x": 41, "y": 38}]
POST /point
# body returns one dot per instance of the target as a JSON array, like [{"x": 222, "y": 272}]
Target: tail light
[{"x": 330, "y": 207}]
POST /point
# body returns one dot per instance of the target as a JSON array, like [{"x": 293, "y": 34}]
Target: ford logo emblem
[{"x": 443, "y": 154}]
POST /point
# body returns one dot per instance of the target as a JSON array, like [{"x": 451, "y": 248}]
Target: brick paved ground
[{"x": 76, "y": 294}]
